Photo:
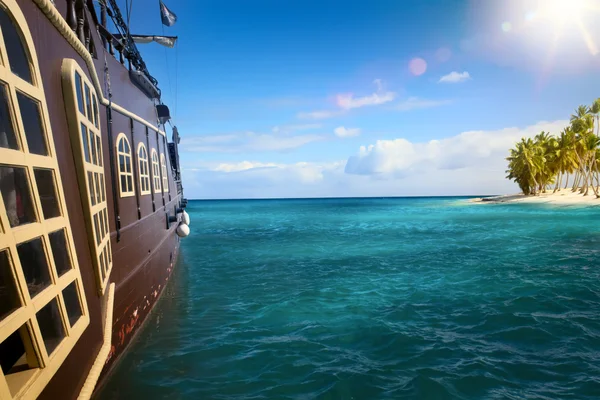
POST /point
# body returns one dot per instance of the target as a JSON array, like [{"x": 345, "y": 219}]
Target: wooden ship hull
[{"x": 86, "y": 249}]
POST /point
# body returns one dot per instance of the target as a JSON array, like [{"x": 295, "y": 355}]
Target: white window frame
[
  {"x": 163, "y": 170},
  {"x": 156, "y": 172},
  {"x": 91, "y": 175},
  {"x": 30, "y": 383},
  {"x": 143, "y": 170},
  {"x": 125, "y": 192}
]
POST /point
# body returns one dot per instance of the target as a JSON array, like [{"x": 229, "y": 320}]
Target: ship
[{"x": 92, "y": 209}]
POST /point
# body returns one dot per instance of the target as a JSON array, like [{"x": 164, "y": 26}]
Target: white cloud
[
  {"x": 241, "y": 166},
  {"x": 284, "y": 129},
  {"x": 246, "y": 142},
  {"x": 473, "y": 149},
  {"x": 321, "y": 114},
  {"x": 414, "y": 103},
  {"x": 348, "y": 101},
  {"x": 455, "y": 77},
  {"x": 343, "y": 132},
  {"x": 379, "y": 83},
  {"x": 249, "y": 179},
  {"x": 300, "y": 172},
  {"x": 470, "y": 163}
]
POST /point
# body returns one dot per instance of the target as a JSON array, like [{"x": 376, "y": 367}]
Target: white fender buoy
[
  {"x": 182, "y": 230},
  {"x": 185, "y": 218}
]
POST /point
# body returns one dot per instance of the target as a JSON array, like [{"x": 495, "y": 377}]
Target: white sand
[{"x": 562, "y": 196}]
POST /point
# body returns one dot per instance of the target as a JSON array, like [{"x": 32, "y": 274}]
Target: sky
[{"x": 304, "y": 98}]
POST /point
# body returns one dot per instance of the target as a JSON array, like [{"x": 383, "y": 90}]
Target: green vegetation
[{"x": 545, "y": 161}]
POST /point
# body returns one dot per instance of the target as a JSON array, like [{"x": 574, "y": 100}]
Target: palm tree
[
  {"x": 524, "y": 163},
  {"x": 564, "y": 157},
  {"x": 595, "y": 110},
  {"x": 591, "y": 145},
  {"x": 537, "y": 163}
]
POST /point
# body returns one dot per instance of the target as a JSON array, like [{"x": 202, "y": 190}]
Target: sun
[
  {"x": 563, "y": 11},
  {"x": 567, "y": 15}
]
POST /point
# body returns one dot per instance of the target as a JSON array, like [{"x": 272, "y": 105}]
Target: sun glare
[
  {"x": 565, "y": 14},
  {"x": 563, "y": 11}
]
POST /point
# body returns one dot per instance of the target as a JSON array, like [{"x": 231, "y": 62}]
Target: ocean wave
[{"x": 398, "y": 299}]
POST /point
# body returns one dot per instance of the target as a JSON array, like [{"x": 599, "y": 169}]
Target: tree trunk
[
  {"x": 567, "y": 183},
  {"x": 558, "y": 178},
  {"x": 582, "y": 174},
  {"x": 591, "y": 176}
]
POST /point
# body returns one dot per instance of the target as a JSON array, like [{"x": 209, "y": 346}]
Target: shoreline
[{"x": 562, "y": 196}]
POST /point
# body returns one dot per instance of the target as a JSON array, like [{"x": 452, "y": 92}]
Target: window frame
[
  {"x": 31, "y": 382},
  {"x": 143, "y": 166},
  {"x": 95, "y": 207},
  {"x": 156, "y": 172},
  {"x": 128, "y": 160},
  {"x": 163, "y": 171}
]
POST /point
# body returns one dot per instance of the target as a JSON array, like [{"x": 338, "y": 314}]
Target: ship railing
[
  {"x": 82, "y": 17},
  {"x": 114, "y": 46},
  {"x": 76, "y": 17}
]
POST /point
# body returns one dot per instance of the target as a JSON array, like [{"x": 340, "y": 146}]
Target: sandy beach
[{"x": 562, "y": 196}]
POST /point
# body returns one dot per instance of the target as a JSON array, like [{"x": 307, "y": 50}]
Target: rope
[
  {"x": 167, "y": 62},
  {"x": 129, "y": 12},
  {"x": 176, "y": 75}
]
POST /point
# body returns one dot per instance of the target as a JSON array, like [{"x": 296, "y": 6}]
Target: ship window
[
  {"x": 95, "y": 111},
  {"x": 60, "y": 252},
  {"x": 9, "y": 297},
  {"x": 143, "y": 168},
  {"x": 97, "y": 182},
  {"x": 90, "y": 181},
  {"x": 51, "y": 326},
  {"x": 79, "y": 89},
  {"x": 72, "y": 303},
  {"x": 98, "y": 150},
  {"x": 93, "y": 151},
  {"x": 102, "y": 188},
  {"x": 84, "y": 143},
  {"x": 88, "y": 103},
  {"x": 156, "y": 172},
  {"x": 15, "y": 355},
  {"x": 46, "y": 189},
  {"x": 37, "y": 257},
  {"x": 32, "y": 123},
  {"x": 82, "y": 105},
  {"x": 15, "y": 50},
  {"x": 125, "y": 171},
  {"x": 165, "y": 177},
  {"x": 8, "y": 139},
  {"x": 35, "y": 266},
  {"x": 14, "y": 186}
]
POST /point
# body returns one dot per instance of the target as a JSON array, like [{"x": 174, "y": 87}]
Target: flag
[
  {"x": 167, "y": 41},
  {"x": 167, "y": 16}
]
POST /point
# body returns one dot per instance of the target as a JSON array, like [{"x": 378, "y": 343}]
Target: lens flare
[{"x": 417, "y": 66}]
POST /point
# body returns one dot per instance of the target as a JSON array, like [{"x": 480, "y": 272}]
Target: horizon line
[{"x": 346, "y": 197}]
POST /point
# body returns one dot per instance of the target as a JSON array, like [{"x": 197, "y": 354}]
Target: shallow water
[{"x": 424, "y": 298}]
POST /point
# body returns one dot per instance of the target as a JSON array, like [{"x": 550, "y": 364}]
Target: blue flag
[{"x": 167, "y": 16}]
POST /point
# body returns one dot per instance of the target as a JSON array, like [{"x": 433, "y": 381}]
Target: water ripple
[{"x": 375, "y": 298}]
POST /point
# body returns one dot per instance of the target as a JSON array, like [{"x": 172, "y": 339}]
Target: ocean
[{"x": 380, "y": 298}]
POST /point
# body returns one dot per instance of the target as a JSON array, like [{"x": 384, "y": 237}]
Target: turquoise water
[{"x": 427, "y": 298}]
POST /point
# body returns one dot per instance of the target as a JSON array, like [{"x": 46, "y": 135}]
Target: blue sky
[{"x": 371, "y": 98}]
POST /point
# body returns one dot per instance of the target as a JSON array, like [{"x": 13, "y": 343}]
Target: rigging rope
[
  {"x": 176, "y": 75},
  {"x": 168, "y": 69},
  {"x": 129, "y": 9}
]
